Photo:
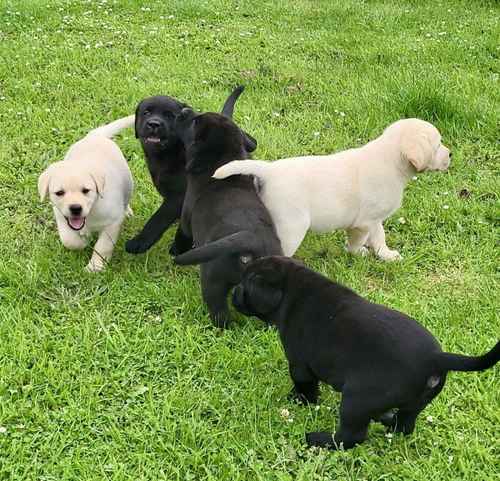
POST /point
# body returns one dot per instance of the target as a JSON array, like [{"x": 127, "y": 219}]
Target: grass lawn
[{"x": 120, "y": 376}]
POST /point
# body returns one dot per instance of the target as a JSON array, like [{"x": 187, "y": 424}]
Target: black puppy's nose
[
  {"x": 75, "y": 209},
  {"x": 153, "y": 124}
]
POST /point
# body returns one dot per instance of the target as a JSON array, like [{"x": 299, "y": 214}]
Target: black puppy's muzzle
[{"x": 155, "y": 131}]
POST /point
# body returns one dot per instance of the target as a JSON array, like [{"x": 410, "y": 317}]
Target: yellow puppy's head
[
  {"x": 420, "y": 144},
  {"x": 71, "y": 191}
]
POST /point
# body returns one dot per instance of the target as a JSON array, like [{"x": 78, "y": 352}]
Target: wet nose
[
  {"x": 153, "y": 124},
  {"x": 75, "y": 209}
]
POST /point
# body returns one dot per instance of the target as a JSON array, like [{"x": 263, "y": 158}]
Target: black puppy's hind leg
[
  {"x": 305, "y": 384},
  {"x": 356, "y": 412},
  {"x": 160, "y": 221},
  {"x": 407, "y": 415},
  {"x": 215, "y": 294}
]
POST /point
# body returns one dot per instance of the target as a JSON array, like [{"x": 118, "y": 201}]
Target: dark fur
[
  {"x": 380, "y": 359},
  {"x": 226, "y": 219},
  {"x": 166, "y": 161}
]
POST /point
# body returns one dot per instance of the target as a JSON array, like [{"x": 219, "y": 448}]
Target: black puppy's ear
[
  {"x": 185, "y": 114},
  {"x": 136, "y": 124},
  {"x": 249, "y": 142},
  {"x": 272, "y": 270}
]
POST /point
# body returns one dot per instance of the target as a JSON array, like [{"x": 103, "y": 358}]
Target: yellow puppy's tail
[
  {"x": 113, "y": 128},
  {"x": 242, "y": 167}
]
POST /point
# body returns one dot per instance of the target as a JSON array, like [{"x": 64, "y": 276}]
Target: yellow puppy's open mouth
[{"x": 76, "y": 222}]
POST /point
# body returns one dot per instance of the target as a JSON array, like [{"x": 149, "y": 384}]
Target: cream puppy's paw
[
  {"x": 389, "y": 255},
  {"x": 95, "y": 265},
  {"x": 359, "y": 251}
]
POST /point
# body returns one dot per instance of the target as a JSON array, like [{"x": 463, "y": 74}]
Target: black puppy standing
[
  {"x": 225, "y": 218},
  {"x": 166, "y": 161},
  {"x": 379, "y": 358}
]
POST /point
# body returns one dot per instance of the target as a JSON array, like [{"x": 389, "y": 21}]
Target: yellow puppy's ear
[
  {"x": 99, "y": 181},
  {"x": 417, "y": 150},
  {"x": 43, "y": 183}
]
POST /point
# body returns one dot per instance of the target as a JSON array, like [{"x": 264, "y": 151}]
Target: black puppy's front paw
[
  {"x": 301, "y": 398},
  {"x": 136, "y": 246},
  {"x": 320, "y": 440}
]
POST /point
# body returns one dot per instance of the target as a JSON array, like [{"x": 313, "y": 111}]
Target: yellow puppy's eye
[
  {"x": 85, "y": 191},
  {"x": 59, "y": 193}
]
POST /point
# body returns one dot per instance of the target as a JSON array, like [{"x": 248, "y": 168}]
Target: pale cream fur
[
  {"x": 94, "y": 175},
  {"x": 355, "y": 190}
]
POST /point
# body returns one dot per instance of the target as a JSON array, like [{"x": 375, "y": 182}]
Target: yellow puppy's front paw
[
  {"x": 390, "y": 255},
  {"x": 95, "y": 265}
]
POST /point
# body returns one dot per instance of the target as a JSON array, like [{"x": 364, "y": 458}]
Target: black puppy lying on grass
[
  {"x": 166, "y": 161},
  {"x": 380, "y": 359},
  {"x": 226, "y": 218}
]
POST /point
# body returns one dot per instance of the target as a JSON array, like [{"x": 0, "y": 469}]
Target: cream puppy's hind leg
[
  {"x": 103, "y": 248},
  {"x": 356, "y": 239},
  {"x": 376, "y": 240},
  {"x": 291, "y": 232}
]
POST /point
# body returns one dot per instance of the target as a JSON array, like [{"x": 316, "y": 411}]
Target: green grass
[{"x": 120, "y": 376}]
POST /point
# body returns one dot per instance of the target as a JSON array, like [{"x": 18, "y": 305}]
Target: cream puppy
[
  {"x": 355, "y": 190},
  {"x": 90, "y": 190}
]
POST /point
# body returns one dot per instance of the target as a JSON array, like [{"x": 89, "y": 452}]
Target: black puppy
[
  {"x": 166, "y": 161},
  {"x": 380, "y": 359},
  {"x": 226, "y": 219}
]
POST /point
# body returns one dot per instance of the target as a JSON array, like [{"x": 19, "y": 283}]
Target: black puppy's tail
[
  {"x": 228, "y": 108},
  {"x": 239, "y": 243},
  {"x": 448, "y": 361}
]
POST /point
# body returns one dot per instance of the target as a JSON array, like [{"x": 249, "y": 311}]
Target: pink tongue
[{"x": 76, "y": 222}]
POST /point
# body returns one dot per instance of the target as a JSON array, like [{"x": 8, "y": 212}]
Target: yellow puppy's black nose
[{"x": 75, "y": 209}]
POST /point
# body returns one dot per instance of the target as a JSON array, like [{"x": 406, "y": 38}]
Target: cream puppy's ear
[
  {"x": 44, "y": 180},
  {"x": 99, "y": 181},
  {"x": 416, "y": 149}
]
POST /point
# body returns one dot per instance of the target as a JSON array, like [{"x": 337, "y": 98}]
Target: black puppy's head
[
  {"x": 261, "y": 290},
  {"x": 155, "y": 121},
  {"x": 211, "y": 140}
]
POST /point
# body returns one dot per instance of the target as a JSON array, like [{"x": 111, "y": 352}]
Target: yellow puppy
[
  {"x": 90, "y": 190},
  {"x": 355, "y": 190}
]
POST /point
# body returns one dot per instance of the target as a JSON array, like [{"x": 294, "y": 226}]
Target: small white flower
[
  {"x": 450, "y": 459},
  {"x": 402, "y": 220},
  {"x": 285, "y": 413},
  {"x": 316, "y": 134},
  {"x": 3, "y": 429},
  {"x": 388, "y": 435},
  {"x": 446, "y": 207},
  {"x": 429, "y": 419},
  {"x": 276, "y": 114},
  {"x": 316, "y": 407},
  {"x": 342, "y": 114},
  {"x": 414, "y": 177}
]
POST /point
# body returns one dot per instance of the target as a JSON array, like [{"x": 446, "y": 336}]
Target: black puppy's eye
[
  {"x": 85, "y": 191},
  {"x": 146, "y": 112},
  {"x": 59, "y": 193}
]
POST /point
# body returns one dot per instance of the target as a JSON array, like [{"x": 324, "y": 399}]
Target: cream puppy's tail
[
  {"x": 243, "y": 167},
  {"x": 111, "y": 129}
]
